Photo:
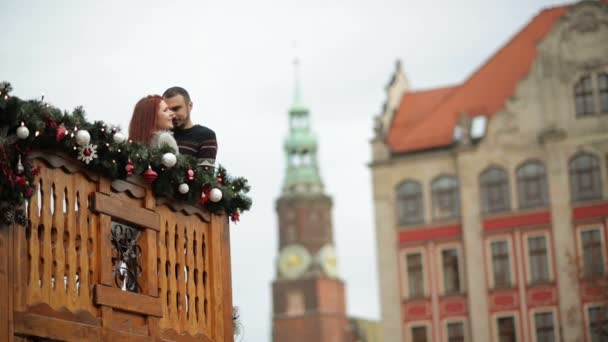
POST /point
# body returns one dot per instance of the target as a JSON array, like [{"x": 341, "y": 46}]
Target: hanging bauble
[
  {"x": 215, "y": 195},
  {"x": 20, "y": 167},
  {"x": 129, "y": 168},
  {"x": 183, "y": 188},
  {"x": 204, "y": 195},
  {"x": 219, "y": 180},
  {"x": 119, "y": 137},
  {"x": 150, "y": 175},
  {"x": 21, "y": 181},
  {"x": 61, "y": 133},
  {"x": 83, "y": 137},
  {"x": 23, "y": 132},
  {"x": 190, "y": 174},
  {"x": 169, "y": 159}
]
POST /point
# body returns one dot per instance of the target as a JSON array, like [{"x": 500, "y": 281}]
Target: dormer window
[{"x": 591, "y": 94}]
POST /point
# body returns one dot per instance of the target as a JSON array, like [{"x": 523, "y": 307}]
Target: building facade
[{"x": 491, "y": 196}]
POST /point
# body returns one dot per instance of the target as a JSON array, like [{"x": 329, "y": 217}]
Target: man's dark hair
[{"x": 174, "y": 91}]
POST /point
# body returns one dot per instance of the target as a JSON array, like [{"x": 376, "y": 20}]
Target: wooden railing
[{"x": 62, "y": 276}]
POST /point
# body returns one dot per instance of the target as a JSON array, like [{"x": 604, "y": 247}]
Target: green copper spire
[{"x": 301, "y": 148}]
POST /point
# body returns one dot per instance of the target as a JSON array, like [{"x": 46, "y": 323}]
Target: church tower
[{"x": 308, "y": 296}]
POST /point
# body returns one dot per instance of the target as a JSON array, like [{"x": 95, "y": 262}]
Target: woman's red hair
[{"x": 143, "y": 122}]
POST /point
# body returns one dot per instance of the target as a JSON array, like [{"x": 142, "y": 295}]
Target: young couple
[{"x": 165, "y": 120}]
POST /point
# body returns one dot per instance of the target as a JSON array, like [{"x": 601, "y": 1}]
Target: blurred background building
[
  {"x": 308, "y": 295},
  {"x": 491, "y": 196}
]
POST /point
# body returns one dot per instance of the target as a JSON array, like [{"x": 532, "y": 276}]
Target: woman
[{"x": 151, "y": 121}]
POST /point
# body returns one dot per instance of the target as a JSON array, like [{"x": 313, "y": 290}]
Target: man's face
[{"x": 178, "y": 105}]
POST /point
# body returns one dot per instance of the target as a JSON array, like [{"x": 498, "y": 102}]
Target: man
[{"x": 195, "y": 140}]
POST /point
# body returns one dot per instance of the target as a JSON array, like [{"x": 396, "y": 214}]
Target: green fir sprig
[{"x": 46, "y": 125}]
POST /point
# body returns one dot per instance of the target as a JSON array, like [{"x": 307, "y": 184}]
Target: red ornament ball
[{"x": 150, "y": 175}]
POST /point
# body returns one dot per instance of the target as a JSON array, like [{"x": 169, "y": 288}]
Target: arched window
[
  {"x": 409, "y": 202},
  {"x": 583, "y": 96},
  {"x": 494, "y": 184},
  {"x": 446, "y": 197},
  {"x": 585, "y": 181},
  {"x": 602, "y": 80},
  {"x": 532, "y": 185}
]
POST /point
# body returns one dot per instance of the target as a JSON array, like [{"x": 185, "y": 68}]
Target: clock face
[
  {"x": 294, "y": 260},
  {"x": 326, "y": 257}
]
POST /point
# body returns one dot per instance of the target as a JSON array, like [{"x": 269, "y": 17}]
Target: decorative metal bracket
[{"x": 127, "y": 269}]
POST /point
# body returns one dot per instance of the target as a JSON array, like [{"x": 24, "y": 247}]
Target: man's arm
[{"x": 207, "y": 151}]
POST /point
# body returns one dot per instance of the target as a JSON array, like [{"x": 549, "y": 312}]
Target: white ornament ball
[
  {"x": 169, "y": 159},
  {"x": 83, "y": 137},
  {"x": 183, "y": 188},
  {"x": 119, "y": 137},
  {"x": 23, "y": 132},
  {"x": 215, "y": 195}
]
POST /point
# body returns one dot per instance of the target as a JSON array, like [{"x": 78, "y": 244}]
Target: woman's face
[{"x": 164, "y": 117}]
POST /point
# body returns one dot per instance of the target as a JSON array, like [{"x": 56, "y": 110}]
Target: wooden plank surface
[
  {"x": 5, "y": 307},
  {"x": 43, "y": 326},
  {"x": 127, "y": 301},
  {"x": 119, "y": 209}
]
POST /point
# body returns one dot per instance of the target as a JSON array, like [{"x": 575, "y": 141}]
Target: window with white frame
[
  {"x": 446, "y": 198},
  {"x": 591, "y": 94},
  {"x": 455, "y": 332},
  {"x": 593, "y": 259},
  {"x": 538, "y": 258},
  {"x": 419, "y": 334},
  {"x": 415, "y": 275},
  {"x": 583, "y": 96},
  {"x": 532, "y": 185},
  {"x": 494, "y": 185},
  {"x": 585, "y": 179},
  {"x": 501, "y": 266},
  {"x": 598, "y": 323},
  {"x": 544, "y": 327},
  {"x": 603, "y": 89},
  {"x": 410, "y": 205},
  {"x": 451, "y": 270},
  {"x": 506, "y": 329}
]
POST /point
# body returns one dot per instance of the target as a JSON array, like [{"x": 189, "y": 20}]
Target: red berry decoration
[
  {"x": 129, "y": 168},
  {"x": 150, "y": 175}
]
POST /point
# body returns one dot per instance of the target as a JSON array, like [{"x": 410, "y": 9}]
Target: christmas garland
[{"x": 33, "y": 124}]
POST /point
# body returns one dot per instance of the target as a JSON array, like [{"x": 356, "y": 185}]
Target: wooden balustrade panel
[
  {"x": 184, "y": 271},
  {"x": 61, "y": 243}
]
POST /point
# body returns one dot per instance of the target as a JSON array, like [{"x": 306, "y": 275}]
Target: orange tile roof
[{"x": 426, "y": 119}]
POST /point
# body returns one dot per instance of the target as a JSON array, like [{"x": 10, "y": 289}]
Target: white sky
[{"x": 235, "y": 58}]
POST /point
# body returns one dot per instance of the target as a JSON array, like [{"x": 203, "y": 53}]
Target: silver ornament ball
[
  {"x": 215, "y": 195},
  {"x": 119, "y": 137},
  {"x": 183, "y": 188},
  {"x": 83, "y": 137},
  {"x": 169, "y": 159},
  {"x": 23, "y": 132}
]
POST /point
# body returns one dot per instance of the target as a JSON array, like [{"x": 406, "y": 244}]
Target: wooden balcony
[{"x": 103, "y": 260}]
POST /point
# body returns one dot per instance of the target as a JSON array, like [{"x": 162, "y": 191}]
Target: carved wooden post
[{"x": 6, "y": 307}]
